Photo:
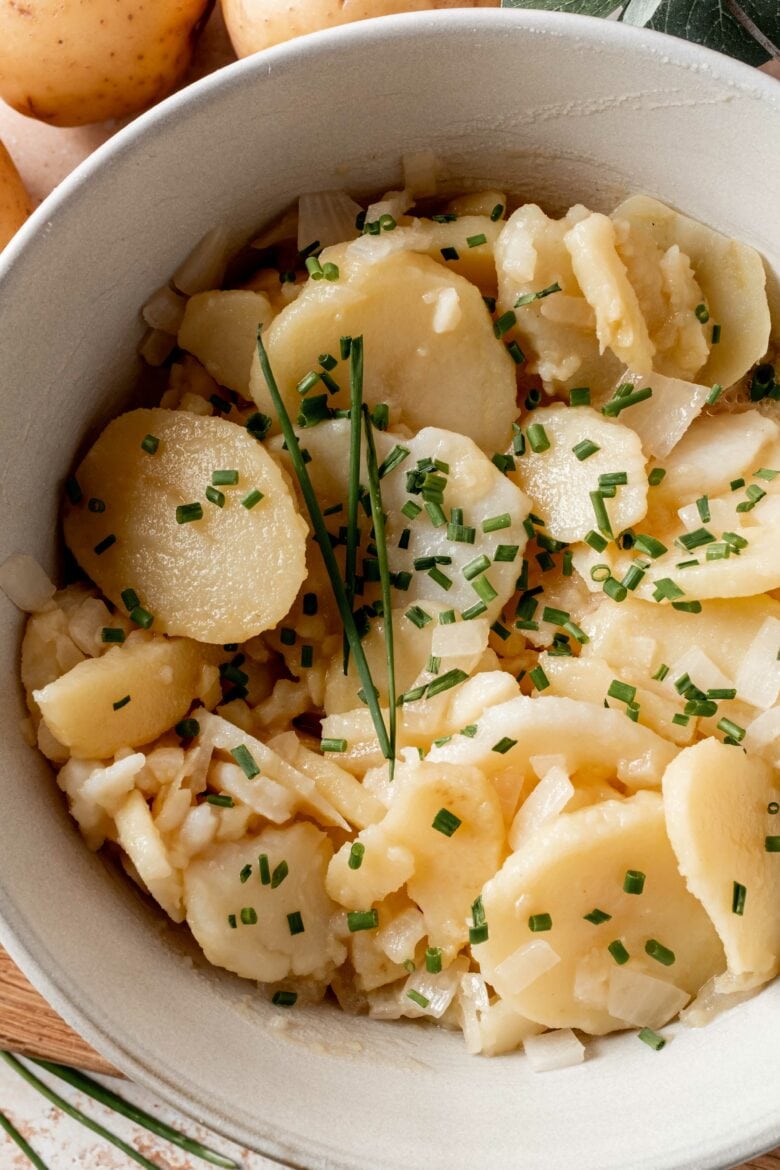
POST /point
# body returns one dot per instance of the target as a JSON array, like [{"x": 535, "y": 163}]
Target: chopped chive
[
  {"x": 475, "y": 567},
  {"x": 584, "y": 449},
  {"x": 615, "y": 589},
  {"x": 702, "y": 313},
  {"x": 661, "y": 673},
  {"x": 660, "y": 953},
  {"x": 596, "y": 541},
  {"x": 440, "y": 578},
  {"x": 681, "y": 720},
  {"x": 461, "y": 533},
  {"x": 695, "y": 539},
  {"x": 539, "y": 678},
  {"x": 245, "y": 874},
  {"x": 579, "y": 396},
  {"x": 618, "y": 952},
  {"x": 714, "y": 394},
  {"x": 484, "y": 590},
  {"x": 497, "y": 212},
  {"x": 504, "y": 323},
  {"x": 221, "y": 405},
  {"x": 73, "y": 490},
  {"x": 224, "y": 478},
  {"x": 446, "y": 822},
  {"x": 504, "y": 745},
  {"x": 232, "y": 921},
  {"x": 333, "y": 745},
  {"x": 633, "y": 575},
  {"x": 96, "y": 505},
  {"x": 219, "y": 799},
  {"x": 634, "y": 881},
  {"x": 411, "y": 510},
  {"x": 112, "y": 634},
  {"x": 491, "y": 304},
  {"x": 501, "y": 631},
  {"x": 687, "y": 606},
  {"x": 345, "y": 347},
  {"x": 249, "y": 501},
  {"x": 295, "y": 922},
  {"x": 393, "y": 460},
  {"x": 246, "y": 761},
  {"x": 772, "y": 844},
  {"x": 518, "y": 357},
  {"x": 215, "y": 497},
  {"x": 264, "y": 869},
  {"x": 621, "y": 691},
  {"x": 600, "y": 512},
  {"x": 494, "y": 523},
  {"x": 120, "y": 703},
  {"x": 449, "y": 253},
  {"x": 356, "y": 854},
  {"x": 330, "y": 271},
  {"x": 418, "y": 616},
  {"x": 504, "y": 463},
  {"x": 475, "y": 241},
  {"x": 187, "y": 513},
  {"x": 539, "y": 923},
  {"x": 773, "y": 807},
  {"x": 362, "y": 920},
  {"x": 537, "y": 438},
  {"x": 738, "y": 896},
  {"x": 732, "y": 730},
  {"x": 248, "y": 916},
  {"x": 506, "y": 553},
  {"x": 618, "y": 404},
  {"x": 418, "y": 998},
  {"x": 613, "y": 479},
  {"x": 307, "y": 656},
  {"x": 310, "y": 604},
  {"x": 597, "y": 917},
  {"x": 445, "y": 682},
  {"x": 527, "y": 298},
  {"x": 665, "y": 589},
  {"x": 600, "y": 573},
  {"x": 651, "y": 1039},
  {"x": 279, "y": 874},
  {"x": 655, "y": 476},
  {"x": 258, "y": 425},
  {"x": 283, "y": 998},
  {"x": 433, "y": 957},
  {"x": 103, "y": 545},
  {"x": 141, "y": 617}
]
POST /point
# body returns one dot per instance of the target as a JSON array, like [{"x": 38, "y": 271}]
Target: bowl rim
[{"x": 17, "y": 936}]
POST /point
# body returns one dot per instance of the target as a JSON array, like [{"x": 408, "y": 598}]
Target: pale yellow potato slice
[
  {"x": 560, "y": 484},
  {"x": 462, "y": 379},
  {"x": 577, "y": 863},
  {"x": 265, "y": 949},
  {"x": 222, "y": 578},
  {"x": 475, "y": 261},
  {"x": 716, "y": 799},
  {"x": 730, "y": 275},
  {"x": 160, "y": 678},
  {"x": 443, "y": 874},
  {"x": 220, "y": 329}
]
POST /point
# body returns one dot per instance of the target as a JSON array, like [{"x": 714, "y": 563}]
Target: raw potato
[
  {"x": 716, "y": 800},
  {"x": 81, "y": 61},
  {"x": 732, "y": 279},
  {"x": 162, "y": 677},
  {"x": 598, "y": 845},
  {"x": 220, "y": 329},
  {"x": 265, "y": 950},
  {"x": 560, "y": 484},
  {"x": 257, "y": 24},
  {"x": 223, "y": 578},
  {"x": 462, "y": 380},
  {"x": 443, "y": 874},
  {"x": 15, "y": 203}
]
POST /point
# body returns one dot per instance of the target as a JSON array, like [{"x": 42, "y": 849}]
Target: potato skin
[
  {"x": 15, "y": 203},
  {"x": 82, "y": 61},
  {"x": 257, "y": 24}
]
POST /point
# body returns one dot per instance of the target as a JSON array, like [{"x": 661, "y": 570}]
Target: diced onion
[
  {"x": 553, "y": 1050},
  {"x": 438, "y": 989},
  {"x": 758, "y": 677},
  {"x": 662, "y": 420},
  {"x": 701, "y": 670},
  {"x": 546, "y": 802},
  {"x": 109, "y": 786},
  {"x": 420, "y": 167},
  {"x": 642, "y": 1000},
  {"x": 710, "y": 1003},
  {"x": 386, "y": 1003},
  {"x": 25, "y": 583},
  {"x": 401, "y": 935},
  {"x": 394, "y": 203},
  {"x": 527, "y": 964},
  {"x": 326, "y": 217},
  {"x": 473, "y": 986},
  {"x": 283, "y": 228},
  {"x": 156, "y": 347},
  {"x": 763, "y": 736},
  {"x": 164, "y": 310},
  {"x": 460, "y": 639},
  {"x": 205, "y": 266}
]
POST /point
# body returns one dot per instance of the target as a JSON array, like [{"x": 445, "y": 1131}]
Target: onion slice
[
  {"x": 325, "y": 218},
  {"x": 25, "y": 583},
  {"x": 546, "y": 802},
  {"x": 552, "y": 1050},
  {"x": 642, "y": 1000},
  {"x": 205, "y": 266},
  {"x": 527, "y": 964},
  {"x": 662, "y": 420},
  {"x": 758, "y": 677}
]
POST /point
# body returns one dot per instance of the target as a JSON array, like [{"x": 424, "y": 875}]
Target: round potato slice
[
  {"x": 575, "y": 866},
  {"x": 224, "y": 576}
]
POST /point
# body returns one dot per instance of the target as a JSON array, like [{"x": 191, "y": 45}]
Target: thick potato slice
[
  {"x": 222, "y": 578},
  {"x": 86, "y": 710},
  {"x": 265, "y": 949},
  {"x": 731, "y": 277},
  {"x": 443, "y": 873},
  {"x": 560, "y": 484},
  {"x": 220, "y": 329},
  {"x": 78, "y": 61},
  {"x": 461, "y": 378},
  {"x": 576, "y": 864},
  {"x": 14, "y": 201},
  {"x": 716, "y": 801}
]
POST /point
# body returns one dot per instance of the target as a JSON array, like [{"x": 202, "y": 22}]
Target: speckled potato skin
[
  {"x": 82, "y": 61},
  {"x": 257, "y": 24},
  {"x": 14, "y": 201}
]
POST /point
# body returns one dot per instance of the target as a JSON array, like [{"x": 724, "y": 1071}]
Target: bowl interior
[{"x": 558, "y": 110}]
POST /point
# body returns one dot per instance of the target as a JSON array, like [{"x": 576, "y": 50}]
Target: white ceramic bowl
[{"x": 560, "y": 109}]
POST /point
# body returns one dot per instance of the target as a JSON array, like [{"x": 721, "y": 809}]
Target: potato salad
[{"x": 424, "y": 653}]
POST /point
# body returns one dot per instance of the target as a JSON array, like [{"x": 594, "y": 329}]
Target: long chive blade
[
  {"x": 353, "y": 483},
  {"x": 323, "y": 539},
  {"x": 22, "y": 1143},
  {"x": 380, "y": 540},
  {"x": 98, "y": 1092},
  {"x": 75, "y": 1113}
]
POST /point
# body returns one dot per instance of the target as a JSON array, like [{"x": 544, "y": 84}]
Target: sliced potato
[
  {"x": 599, "y": 845},
  {"x": 126, "y": 698},
  {"x": 559, "y": 483},
  {"x": 443, "y": 870},
  {"x": 139, "y": 837},
  {"x": 222, "y": 578},
  {"x": 475, "y": 261},
  {"x": 220, "y": 329},
  {"x": 339, "y": 788},
  {"x": 732, "y": 279},
  {"x": 267, "y": 946},
  {"x": 407, "y": 364},
  {"x": 716, "y": 802}
]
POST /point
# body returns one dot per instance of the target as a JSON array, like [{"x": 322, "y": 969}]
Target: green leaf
[
  {"x": 746, "y": 29},
  {"x": 579, "y": 7}
]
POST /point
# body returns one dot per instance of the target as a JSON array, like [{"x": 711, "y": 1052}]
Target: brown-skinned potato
[
  {"x": 257, "y": 24},
  {"x": 82, "y": 61},
  {"x": 15, "y": 203}
]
